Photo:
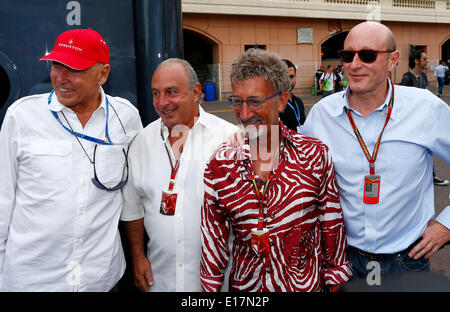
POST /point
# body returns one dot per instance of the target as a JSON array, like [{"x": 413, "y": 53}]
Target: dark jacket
[
  {"x": 410, "y": 80},
  {"x": 288, "y": 116}
]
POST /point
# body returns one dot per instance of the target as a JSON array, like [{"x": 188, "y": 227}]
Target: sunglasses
[
  {"x": 367, "y": 56},
  {"x": 119, "y": 185},
  {"x": 253, "y": 102}
]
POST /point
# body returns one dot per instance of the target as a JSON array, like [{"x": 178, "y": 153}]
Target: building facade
[{"x": 307, "y": 32}]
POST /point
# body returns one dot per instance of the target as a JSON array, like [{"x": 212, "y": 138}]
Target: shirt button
[
  {"x": 180, "y": 265},
  {"x": 268, "y": 270}
]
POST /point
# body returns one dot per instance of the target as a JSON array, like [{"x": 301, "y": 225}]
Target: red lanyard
[
  {"x": 261, "y": 200},
  {"x": 373, "y": 157},
  {"x": 174, "y": 171},
  {"x": 261, "y": 214}
]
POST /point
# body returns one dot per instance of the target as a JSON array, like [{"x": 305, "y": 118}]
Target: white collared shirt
[
  {"x": 418, "y": 127},
  {"x": 58, "y": 232},
  {"x": 174, "y": 246},
  {"x": 439, "y": 71}
]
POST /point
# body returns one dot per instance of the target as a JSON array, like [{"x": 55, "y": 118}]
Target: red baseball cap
[{"x": 79, "y": 49}]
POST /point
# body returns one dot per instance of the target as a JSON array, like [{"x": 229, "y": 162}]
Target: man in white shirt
[
  {"x": 326, "y": 81},
  {"x": 382, "y": 138},
  {"x": 165, "y": 190},
  {"x": 63, "y": 162},
  {"x": 439, "y": 73}
]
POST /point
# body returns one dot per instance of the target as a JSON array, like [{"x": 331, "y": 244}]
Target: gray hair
[
  {"x": 261, "y": 63},
  {"x": 190, "y": 72}
]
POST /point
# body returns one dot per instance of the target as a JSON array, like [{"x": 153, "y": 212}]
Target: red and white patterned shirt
[{"x": 302, "y": 212}]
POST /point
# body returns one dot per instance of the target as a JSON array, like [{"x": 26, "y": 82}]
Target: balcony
[{"x": 423, "y": 11}]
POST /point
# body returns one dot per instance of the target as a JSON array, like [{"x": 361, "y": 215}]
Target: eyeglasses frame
[
  {"x": 230, "y": 99},
  {"x": 121, "y": 184},
  {"x": 358, "y": 51}
]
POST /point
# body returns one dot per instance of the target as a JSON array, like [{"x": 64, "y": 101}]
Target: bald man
[{"x": 382, "y": 139}]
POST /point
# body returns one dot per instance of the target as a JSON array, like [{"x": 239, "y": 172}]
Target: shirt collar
[
  {"x": 343, "y": 102},
  {"x": 414, "y": 73},
  {"x": 56, "y": 106},
  {"x": 243, "y": 151},
  {"x": 203, "y": 119}
]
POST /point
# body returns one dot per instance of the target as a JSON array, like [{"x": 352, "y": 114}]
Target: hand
[
  {"x": 434, "y": 237},
  {"x": 236, "y": 139},
  {"x": 142, "y": 273}
]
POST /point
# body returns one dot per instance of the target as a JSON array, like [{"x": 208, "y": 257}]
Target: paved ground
[{"x": 441, "y": 261}]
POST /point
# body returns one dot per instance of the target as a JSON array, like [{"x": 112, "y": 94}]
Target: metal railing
[
  {"x": 352, "y": 2},
  {"x": 438, "y": 5},
  {"x": 418, "y": 4}
]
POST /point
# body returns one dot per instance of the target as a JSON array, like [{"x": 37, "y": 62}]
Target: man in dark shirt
[
  {"x": 416, "y": 77},
  {"x": 317, "y": 75},
  {"x": 294, "y": 114}
]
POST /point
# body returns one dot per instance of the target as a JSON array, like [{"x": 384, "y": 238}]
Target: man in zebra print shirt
[{"x": 277, "y": 190}]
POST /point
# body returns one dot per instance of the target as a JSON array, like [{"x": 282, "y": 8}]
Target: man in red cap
[{"x": 63, "y": 158}]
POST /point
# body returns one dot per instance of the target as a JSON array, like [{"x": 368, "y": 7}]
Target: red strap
[
  {"x": 174, "y": 171},
  {"x": 266, "y": 186},
  {"x": 371, "y": 158},
  {"x": 261, "y": 200}
]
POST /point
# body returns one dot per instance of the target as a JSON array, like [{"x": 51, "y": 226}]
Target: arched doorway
[
  {"x": 203, "y": 54},
  {"x": 9, "y": 82},
  {"x": 6, "y": 87},
  {"x": 446, "y": 51},
  {"x": 330, "y": 47}
]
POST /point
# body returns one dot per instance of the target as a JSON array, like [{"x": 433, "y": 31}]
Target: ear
[
  {"x": 104, "y": 74},
  {"x": 197, "y": 92},
  {"x": 393, "y": 60},
  {"x": 282, "y": 102}
]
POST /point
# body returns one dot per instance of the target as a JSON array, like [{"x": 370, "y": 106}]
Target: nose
[
  {"x": 60, "y": 75},
  {"x": 245, "y": 112},
  {"x": 355, "y": 63},
  {"x": 160, "y": 100}
]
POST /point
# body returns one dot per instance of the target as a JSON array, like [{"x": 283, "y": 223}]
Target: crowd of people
[
  {"x": 331, "y": 81},
  {"x": 281, "y": 202}
]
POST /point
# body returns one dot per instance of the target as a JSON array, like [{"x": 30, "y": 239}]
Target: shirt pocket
[
  {"x": 110, "y": 163},
  {"x": 398, "y": 154},
  {"x": 402, "y": 150},
  {"x": 51, "y": 161},
  {"x": 301, "y": 244}
]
